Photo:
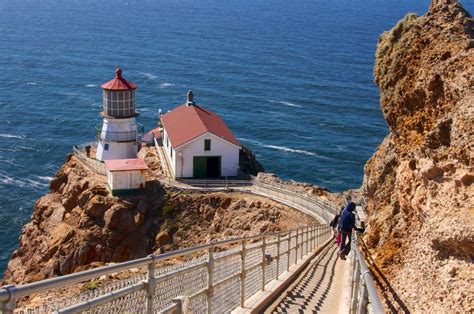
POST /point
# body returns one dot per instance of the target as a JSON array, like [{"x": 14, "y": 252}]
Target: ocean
[{"x": 292, "y": 79}]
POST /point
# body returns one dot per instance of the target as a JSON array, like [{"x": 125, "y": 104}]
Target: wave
[
  {"x": 283, "y": 148},
  {"x": 23, "y": 183},
  {"x": 165, "y": 85},
  {"x": 291, "y": 150},
  {"x": 11, "y": 136},
  {"x": 44, "y": 178},
  {"x": 91, "y": 85},
  {"x": 286, "y": 103},
  {"x": 149, "y": 76},
  {"x": 31, "y": 83}
]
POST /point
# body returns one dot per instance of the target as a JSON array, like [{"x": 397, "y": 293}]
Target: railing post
[
  {"x": 355, "y": 283},
  {"x": 9, "y": 306},
  {"x": 278, "y": 256},
  {"x": 263, "y": 263},
  {"x": 288, "y": 251},
  {"x": 151, "y": 285},
  {"x": 363, "y": 299},
  {"x": 182, "y": 304},
  {"x": 297, "y": 244},
  {"x": 307, "y": 240},
  {"x": 318, "y": 235},
  {"x": 210, "y": 275},
  {"x": 301, "y": 244},
  {"x": 242, "y": 274}
]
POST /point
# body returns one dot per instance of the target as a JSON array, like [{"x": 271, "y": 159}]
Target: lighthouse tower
[{"x": 118, "y": 133}]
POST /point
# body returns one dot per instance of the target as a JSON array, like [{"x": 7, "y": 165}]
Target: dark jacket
[{"x": 347, "y": 221}]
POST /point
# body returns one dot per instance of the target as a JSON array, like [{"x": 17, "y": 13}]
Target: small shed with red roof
[
  {"x": 198, "y": 143},
  {"x": 126, "y": 175}
]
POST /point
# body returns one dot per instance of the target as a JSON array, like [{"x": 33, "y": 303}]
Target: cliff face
[
  {"x": 418, "y": 184},
  {"x": 80, "y": 225}
]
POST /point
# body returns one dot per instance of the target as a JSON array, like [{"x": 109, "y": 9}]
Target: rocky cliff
[
  {"x": 80, "y": 225},
  {"x": 418, "y": 184}
]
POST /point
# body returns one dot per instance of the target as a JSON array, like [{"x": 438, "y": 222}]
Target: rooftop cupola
[
  {"x": 190, "y": 98},
  {"x": 119, "y": 97}
]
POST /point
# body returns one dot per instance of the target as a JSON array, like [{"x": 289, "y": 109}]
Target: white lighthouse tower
[{"x": 119, "y": 133}]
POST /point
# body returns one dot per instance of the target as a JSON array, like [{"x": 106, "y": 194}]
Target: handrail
[
  {"x": 291, "y": 246},
  {"x": 367, "y": 277},
  {"x": 364, "y": 294},
  {"x": 9, "y": 294}
]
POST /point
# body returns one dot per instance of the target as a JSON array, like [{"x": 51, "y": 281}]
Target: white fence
[
  {"x": 94, "y": 165},
  {"x": 211, "y": 278}
]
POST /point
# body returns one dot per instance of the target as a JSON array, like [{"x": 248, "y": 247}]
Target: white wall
[
  {"x": 229, "y": 155},
  {"x": 126, "y": 180},
  {"x": 117, "y": 150},
  {"x": 168, "y": 149}
]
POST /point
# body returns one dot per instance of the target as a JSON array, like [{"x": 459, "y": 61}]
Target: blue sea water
[{"x": 293, "y": 80}]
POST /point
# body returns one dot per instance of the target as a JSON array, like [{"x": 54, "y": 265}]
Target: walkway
[{"x": 317, "y": 289}]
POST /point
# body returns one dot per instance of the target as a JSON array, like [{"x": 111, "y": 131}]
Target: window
[
  {"x": 167, "y": 142},
  {"x": 171, "y": 152},
  {"x": 106, "y": 146},
  {"x": 207, "y": 145}
]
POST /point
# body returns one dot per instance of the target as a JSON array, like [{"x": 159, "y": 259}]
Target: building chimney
[{"x": 190, "y": 98}]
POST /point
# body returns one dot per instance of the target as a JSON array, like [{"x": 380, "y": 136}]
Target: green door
[{"x": 199, "y": 167}]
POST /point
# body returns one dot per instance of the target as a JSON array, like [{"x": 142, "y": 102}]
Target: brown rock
[
  {"x": 96, "y": 207},
  {"x": 161, "y": 238},
  {"x": 419, "y": 209},
  {"x": 120, "y": 219}
]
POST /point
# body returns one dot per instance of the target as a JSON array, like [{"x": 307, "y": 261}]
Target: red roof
[
  {"x": 185, "y": 123},
  {"x": 125, "y": 164},
  {"x": 119, "y": 83}
]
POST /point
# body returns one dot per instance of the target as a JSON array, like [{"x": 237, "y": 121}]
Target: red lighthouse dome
[
  {"x": 118, "y": 83},
  {"x": 119, "y": 97}
]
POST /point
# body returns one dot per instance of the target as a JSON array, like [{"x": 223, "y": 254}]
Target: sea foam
[
  {"x": 11, "y": 136},
  {"x": 149, "y": 76},
  {"x": 283, "y": 148},
  {"x": 286, "y": 103},
  {"x": 165, "y": 85}
]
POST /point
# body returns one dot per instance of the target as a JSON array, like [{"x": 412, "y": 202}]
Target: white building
[
  {"x": 125, "y": 175},
  {"x": 198, "y": 143},
  {"x": 118, "y": 135}
]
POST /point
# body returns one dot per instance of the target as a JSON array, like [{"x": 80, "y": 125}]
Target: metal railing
[
  {"x": 311, "y": 204},
  {"x": 215, "y": 183},
  {"x": 93, "y": 164},
  {"x": 112, "y": 136},
  {"x": 214, "y": 278},
  {"x": 364, "y": 295}
]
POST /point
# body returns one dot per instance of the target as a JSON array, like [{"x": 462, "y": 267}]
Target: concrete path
[{"x": 318, "y": 289}]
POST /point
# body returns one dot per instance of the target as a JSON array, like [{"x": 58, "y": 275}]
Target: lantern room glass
[{"x": 119, "y": 104}]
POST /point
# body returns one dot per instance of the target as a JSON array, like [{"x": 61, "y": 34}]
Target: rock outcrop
[
  {"x": 418, "y": 184},
  {"x": 249, "y": 163},
  {"x": 80, "y": 225}
]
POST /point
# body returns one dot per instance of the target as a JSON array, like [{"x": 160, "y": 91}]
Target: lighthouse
[{"x": 119, "y": 133}]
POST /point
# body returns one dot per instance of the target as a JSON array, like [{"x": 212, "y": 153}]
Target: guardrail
[
  {"x": 215, "y": 277},
  {"x": 364, "y": 296},
  {"x": 80, "y": 152},
  {"x": 215, "y": 183}
]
